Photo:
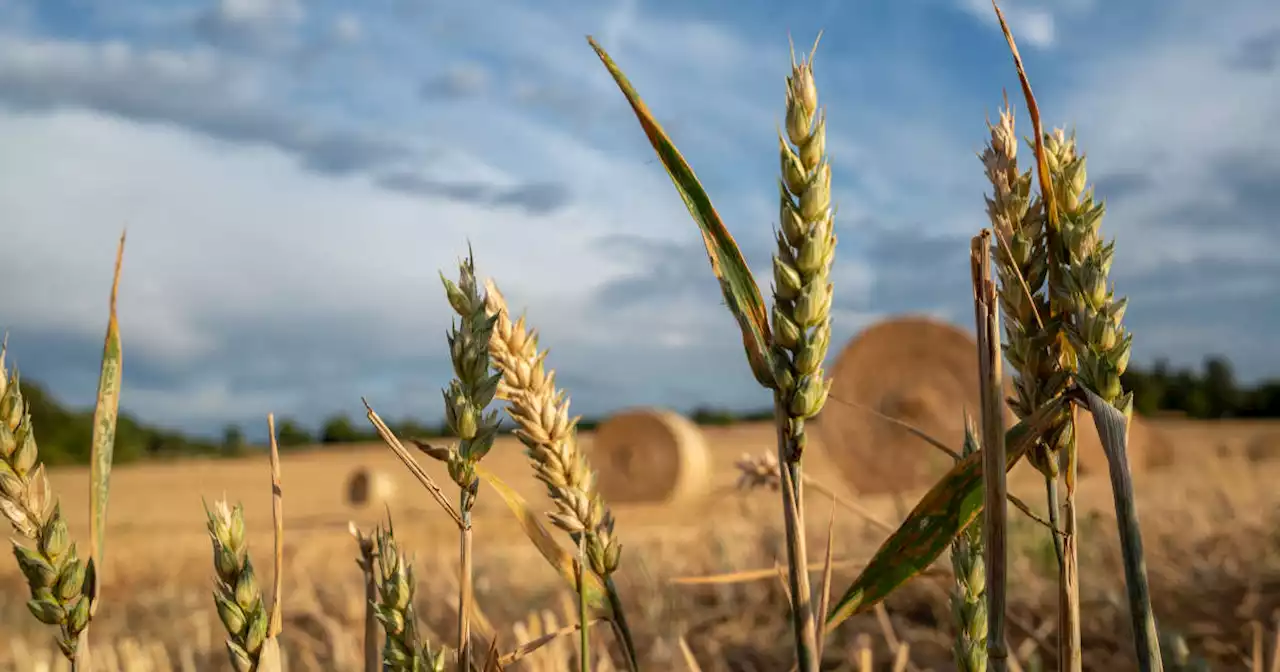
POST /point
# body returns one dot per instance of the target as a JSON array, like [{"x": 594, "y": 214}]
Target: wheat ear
[
  {"x": 59, "y": 581},
  {"x": 544, "y": 426},
  {"x": 465, "y": 401},
  {"x": 1102, "y": 347},
  {"x": 1028, "y": 263},
  {"x": 236, "y": 592},
  {"x": 541, "y": 413},
  {"x": 404, "y": 649},
  {"x": 802, "y": 294},
  {"x": 969, "y": 600}
]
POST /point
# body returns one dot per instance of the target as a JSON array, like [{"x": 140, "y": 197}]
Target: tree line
[{"x": 1210, "y": 392}]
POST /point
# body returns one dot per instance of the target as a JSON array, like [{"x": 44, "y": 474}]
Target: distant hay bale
[
  {"x": 649, "y": 456},
  {"x": 367, "y": 487},
  {"x": 924, "y": 373},
  {"x": 1264, "y": 448}
]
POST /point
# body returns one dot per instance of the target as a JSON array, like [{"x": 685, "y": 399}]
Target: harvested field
[{"x": 1209, "y": 521}]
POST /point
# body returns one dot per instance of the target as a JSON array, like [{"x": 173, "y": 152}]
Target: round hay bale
[
  {"x": 924, "y": 373},
  {"x": 367, "y": 487},
  {"x": 649, "y": 456},
  {"x": 915, "y": 369},
  {"x": 1264, "y": 448}
]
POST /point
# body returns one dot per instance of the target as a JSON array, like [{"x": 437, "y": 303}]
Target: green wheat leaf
[
  {"x": 741, "y": 293},
  {"x": 105, "y": 412},
  {"x": 942, "y": 514}
]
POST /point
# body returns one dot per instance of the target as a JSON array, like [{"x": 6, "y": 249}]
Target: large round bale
[
  {"x": 924, "y": 373},
  {"x": 367, "y": 487},
  {"x": 649, "y": 456},
  {"x": 914, "y": 369}
]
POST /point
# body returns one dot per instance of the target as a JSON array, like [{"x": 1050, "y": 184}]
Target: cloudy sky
[{"x": 294, "y": 175}]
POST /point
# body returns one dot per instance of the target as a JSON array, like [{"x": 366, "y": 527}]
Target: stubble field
[{"x": 1209, "y": 520}]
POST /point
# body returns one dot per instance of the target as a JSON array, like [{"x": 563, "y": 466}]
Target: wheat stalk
[
  {"x": 541, "y": 413},
  {"x": 1036, "y": 346},
  {"x": 801, "y": 318},
  {"x": 368, "y": 569},
  {"x": 466, "y": 400},
  {"x": 1102, "y": 348},
  {"x": 59, "y": 581}
]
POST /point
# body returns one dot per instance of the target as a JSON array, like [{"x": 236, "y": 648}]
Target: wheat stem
[
  {"x": 801, "y": 320},
  {"x": 367, "y": 563},
  {"x": 1102, "y": 346},
  {"x": 1029, "y": 267},
  {"x": 995, "y": 490},
  {"x": 466, "y": 400}
]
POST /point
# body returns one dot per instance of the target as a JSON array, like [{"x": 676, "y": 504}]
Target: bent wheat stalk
[{"x": 541, "y": 413}]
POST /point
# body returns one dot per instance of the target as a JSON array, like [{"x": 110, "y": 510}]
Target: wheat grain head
[
  {"x": 541, "y": 413},
  {"x": 60, "y": 583}
]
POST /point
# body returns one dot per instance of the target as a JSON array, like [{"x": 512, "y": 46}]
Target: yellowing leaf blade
[
  {"x": 559, "y": 559},
  {"x": 105, "y": 413},
  {"x": 945, "y": 511}
]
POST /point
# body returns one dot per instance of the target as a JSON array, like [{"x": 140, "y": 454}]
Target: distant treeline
[
  {"x": 64, "y": 435},
  {"x": 1210, "y": 393}
]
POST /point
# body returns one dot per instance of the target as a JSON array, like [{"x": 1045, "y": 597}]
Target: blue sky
[{"x": 294, "y": 174}]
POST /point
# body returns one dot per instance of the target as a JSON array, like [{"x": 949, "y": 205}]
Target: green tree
[
  {"x": 338, "y": 429},
  {"x": 233, "y": 439},
  {"x": 1222, "y": 398},
  {"x": 291, "y": 435}
]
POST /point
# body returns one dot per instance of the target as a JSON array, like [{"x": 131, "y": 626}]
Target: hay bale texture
[
  {"x": 367, "y": 487},
  {"x": 650, "y": 456},
  {"x": 925, "y": 373}
]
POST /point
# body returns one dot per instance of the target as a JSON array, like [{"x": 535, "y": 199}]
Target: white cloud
[
  {"x": 347, "y": 29},
  {"x": 1032, "y": 24}
]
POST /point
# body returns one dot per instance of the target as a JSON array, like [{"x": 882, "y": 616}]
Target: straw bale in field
[
  {"x": 1264, "y": 448},
  {"x": 368, "y": 487},
  {"x": 924, "y": 373},
  {"x": 650, "y": 456}
]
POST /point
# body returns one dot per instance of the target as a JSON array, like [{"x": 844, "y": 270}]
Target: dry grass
[{"x": 1212, "y": 554}]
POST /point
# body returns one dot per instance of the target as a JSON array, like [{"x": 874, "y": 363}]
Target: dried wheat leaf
[
  {"x": 269, "y": 656},
  {"x": 559, "y": 559},
  {"x": 531, "y": 646}
]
